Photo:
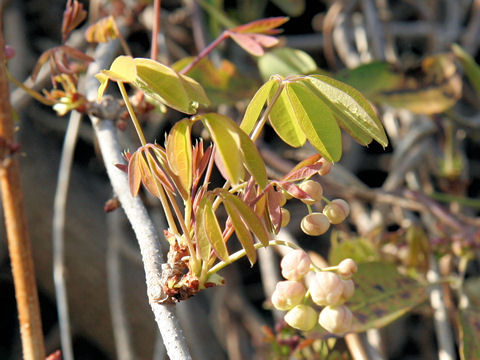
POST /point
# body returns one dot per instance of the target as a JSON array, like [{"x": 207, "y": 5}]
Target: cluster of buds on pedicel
[{"x": 307, "y": 287}]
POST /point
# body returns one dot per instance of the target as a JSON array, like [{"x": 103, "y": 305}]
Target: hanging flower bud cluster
[{"x": 306, "y": 288}]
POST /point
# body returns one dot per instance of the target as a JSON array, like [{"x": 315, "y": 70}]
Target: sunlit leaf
[
  {"x": 274, "y": 209},
  {"x": 283, "y": 119},
  {"x": 382, "y": 295},
  {"x": 155, "y": 166},
  {"x": 316, "y": 121},
  {"x": 350, "y": 108},
  {"x": 262, "y": 26},
  {"x": 305, "y": 168},
  {"x": 472, "y": 70},
  {"x": 291, "y": 7},
  {"x": 134, "y": 173},
  {"x": 293, "y": 189},
  {"x": 249, "y": 217},
  {"x": 227, "y": 145},
  {"x": 251, "y": 157},
  {"x": 255, "y": 107},
  {"x": 102, "y": 31},
  {"x": 203, "y": 244},
  {"x": 359, "y": 249},
  {"x": 179, "y": 152},
  {"x": 469, "y": 326},
  {"x": 168, "y": 87},
  {"x": 254, "y": 43},
  {"x": 214, "y": 232},
  {"x": 243, "y": 234},
  {"x": 286, "y": 61}
]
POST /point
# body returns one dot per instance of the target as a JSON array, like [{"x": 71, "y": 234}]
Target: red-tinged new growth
[
  {"x": 302, "y": 317},
  {"x": 288, "y": 294},
  {"x": 337, "y": 211},
  {"x": 315, "y": 224},
  {"x": 295, "y": 264},
  {"x": 314, "y": 189},
  {"x": 336, "y": 319}
]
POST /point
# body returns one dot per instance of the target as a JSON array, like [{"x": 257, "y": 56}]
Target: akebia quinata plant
[{"x": 178, "y": 172}]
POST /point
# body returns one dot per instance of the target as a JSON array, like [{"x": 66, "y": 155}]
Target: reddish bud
[
  {"x": 315, "y": 224},
  {"x": 336, "y": 319},
  {"x": 295, "y": 264},
  {"x": 287, "y": 294},
  {"x": 9, "y": 52},
  {"x": 337, "y": 211},
  {"x": 326, "y": 288},
  {"x": 326, "y": 167},
  {"x": 302, "y": 317}
]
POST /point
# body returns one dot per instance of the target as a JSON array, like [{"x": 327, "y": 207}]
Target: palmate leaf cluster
[{"x": 298, "y": 107}]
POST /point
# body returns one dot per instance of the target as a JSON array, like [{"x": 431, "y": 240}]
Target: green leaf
[
  {"x": 179, "y": 152},
  {"x": 122, "y": 69},
  {"x": 472, "y": 70},
  {"x": 382, "y": 295},
  {"x": 214, "y": 232},
  {"x": 469, "y": 324},
  {"x": 316, "y": 121},
  {"x": 203, "y": 243},
  {"x": 248, "y": 216},
  {"x": 352, "y": 110},
  {"x": 359, "y": 249},
  {"x": 251, "y": 157},
  {"x": 291, "y": 7},
  {"x": 243, "y": 234},
  {"x": 255, "y": 107},
  {"x": 166, "y": 86},
  {"x": 283, "y": 119},
  {"x": 227, "y": 143},
  {"x": 285, "y": 61}
]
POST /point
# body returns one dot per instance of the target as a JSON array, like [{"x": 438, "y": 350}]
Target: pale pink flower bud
[
  {"x": 348, "y": 289},
  {"x": 337, "y": 211},
  {"x": 326, "y": 288},
  {"x": 347, "y": 268},
  {"x": 336, "y": 319},
  {"x": 326, "y": 167},
  {"x": 287, "y": 294},
  {"x": 285, "y": 217},
  {"x": 295, "y": 264},
  {"x": 315, "y": 224},
  {"x": 302, "y": 317},
  {"x": 313, "y": 189}
]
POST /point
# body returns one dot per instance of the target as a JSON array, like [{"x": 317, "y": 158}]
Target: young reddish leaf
[
  {"x": 203, "y": 244},
  {"x": 163, "y": 84},
  {"x": 274, "y": 209},
  {"x": 248, "y": 216},
  {"x": 316, "y": 121},
  {"x": 179, "y": 152},
  {"x": 255, "y": 106},
  {"x": 293, "y": 190},
  {"x": 284, "y": 121},
  {"x": 134, "y": 173},
  {"x": 156, "y": 170},
  {"x": 102, "y": 31},
  {"x": 214, "y": 233},
  {"x": 72, "y": 17},
  {"x": 297, "y": 173},
  {"x": 227, "y": 146},
  {"x": 248, "y": 43},
  {"x": 243, "y": 234},
  {"x": 382, "y": 295},
  {"x": 262, "y": 26},
  {"x": 351, "y": 109}
]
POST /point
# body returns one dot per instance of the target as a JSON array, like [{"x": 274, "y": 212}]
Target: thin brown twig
[
  {"x": 156, "y": 28},
  {"x": 18, "y": 239}
]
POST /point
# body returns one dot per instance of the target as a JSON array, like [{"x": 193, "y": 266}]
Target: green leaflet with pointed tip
[
  {"x": 382, "y": 295},
  {"x": 179, "y": 152},
  {"x": 284, "y": 121},
  {"x": 214, "y": 232},
  {"x": 316, "y": 120},
  {"x": 255, "y": 107},
  {"x": 285, "y": 62},
  {"x": 469, "y": 324},
  {"x": 203, "y": 244},
  {"x": 243, "y": 234},
  {"x": 472, "y": 70},
  {"x": 352, "y": 110},
  {"x": 122, "y": 69},
  {"x": 168, "y": 87},
  {"x": 248, "y": 216},
  {"x": 228, "y": 145}
]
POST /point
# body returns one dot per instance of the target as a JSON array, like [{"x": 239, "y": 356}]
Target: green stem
[
  {"x": 129, "y": 106},
  {"x": 36, "y": 95},
  {"x": 241, "y": 253},
  {"x": 263, "y": 119}
]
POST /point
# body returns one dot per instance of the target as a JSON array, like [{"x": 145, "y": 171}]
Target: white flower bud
[
  {"x": 326, "y": 288},
  {"x": 302, "y": 317},
  {"x": 337, "y": 211},
  {"x": 336, "y": 319},
  {"x": 347, "y": 268},
  {"x": 314, "y": 189},
  {"x": 295, "y": 264},
  {"x": 287, "y": 294},
  {"x": 315, "y": 224}
]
